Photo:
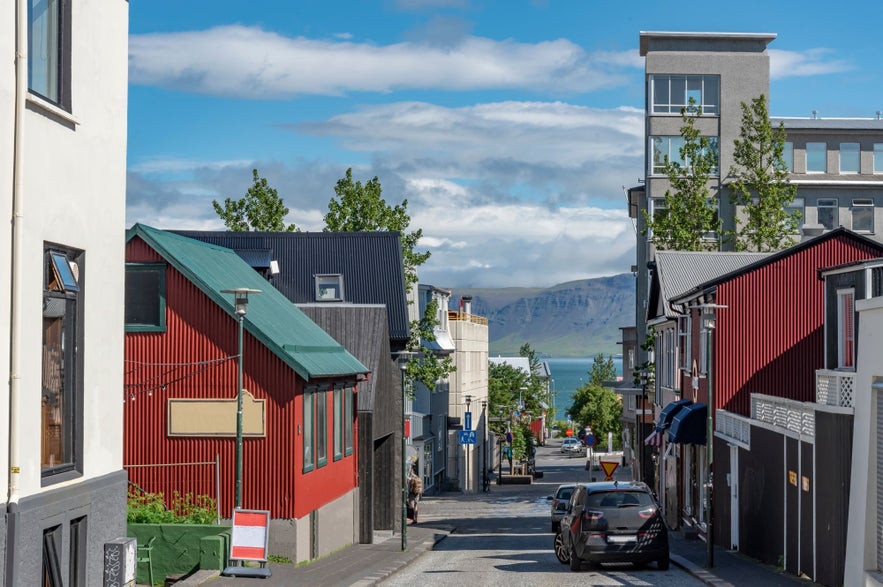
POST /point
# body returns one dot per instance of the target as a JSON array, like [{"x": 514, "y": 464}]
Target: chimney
[{"x": 466, "y": 304}]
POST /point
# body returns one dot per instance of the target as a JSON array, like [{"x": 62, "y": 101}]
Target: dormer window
[{"x": 329, "y": 288}]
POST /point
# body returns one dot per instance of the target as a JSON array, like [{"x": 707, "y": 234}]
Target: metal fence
[{"x": 195, "y": 478}]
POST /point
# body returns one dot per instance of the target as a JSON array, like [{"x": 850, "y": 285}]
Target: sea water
[{"x": 568, "y": 374}]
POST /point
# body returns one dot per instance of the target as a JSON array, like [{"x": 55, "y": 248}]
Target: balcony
[
  {"x": 835, "y": 388},
  {"x": 466, "y": 317}
]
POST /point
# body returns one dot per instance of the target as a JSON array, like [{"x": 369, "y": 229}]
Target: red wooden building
[{"x": 181, "y": 387}]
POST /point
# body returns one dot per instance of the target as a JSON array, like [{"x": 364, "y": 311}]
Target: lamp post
[
  {"x": 645, "y": 380},
  {"x": 466, "y": 486},
  {"x": 403, "y": 357},
  {"x": 708, "y": 326},
  {"x": 484, "y": 480},
  {"x": 240, "y": 302}
]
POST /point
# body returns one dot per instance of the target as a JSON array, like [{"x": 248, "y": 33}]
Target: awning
[
  {"x": 688, "y": 425},
  {"x": 669, "y": 412},
  {"x": 654, "y": 439}
]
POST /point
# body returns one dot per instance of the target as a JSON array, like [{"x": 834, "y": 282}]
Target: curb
[
  {"x": 411, "y": 555},
  {"x": 703, "y": 575}
]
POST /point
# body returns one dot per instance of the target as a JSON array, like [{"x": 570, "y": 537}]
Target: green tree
[
  {"x": 504, "y": 383},
  {"x": 760, "y": 183},
  {"x": 596, "y": 405},
  {"x": 357, "y": 207},
  {"x": 535, "y": 394},
  {"x": 260, "y": 209},
  {"x": 689, "y": 212}
]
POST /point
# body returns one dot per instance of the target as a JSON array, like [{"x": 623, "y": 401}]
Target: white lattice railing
[
  {"x": 733, "y": 427},
  {"x": 784, "y": 413},
  {"x": 835, "y": 388}
]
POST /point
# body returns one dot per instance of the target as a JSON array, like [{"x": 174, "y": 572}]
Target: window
[
  {"x": 630, "y": 363},
  {"x": 338, "y": 424},
  {"x": 878, "y": 157},
  {"x": 863, "y": 215},
  {"x": 788, "y": 156},
  {"x": 846, "y": 330},
  {"x": 348, "y": 399},
  {"x": 816, "y": 158},
  {"x": 849, "y": 158},
  {"x": 668, "y": 149},
  {"x": 683, "y": 343},
  {"x": 145, "y": 297},
  {"x": 49, "y": 48},
  {"x": 828, "y": 213},
  {"x": 51, "y": 558},
  {"x": 79, "y": 547},
  {"x": 796, "y": 205},
  {"x": 309, "y": 455},
  {"x": 329, "y": 288},
  {"x": 671, "y": 93},
  {"x": 321, "y": 428},
  {"x": 631, "y": 403},
  {"x": 62, "y": 381}
]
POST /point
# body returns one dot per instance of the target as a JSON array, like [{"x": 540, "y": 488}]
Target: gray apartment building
[{"x": 837, "y": 164}]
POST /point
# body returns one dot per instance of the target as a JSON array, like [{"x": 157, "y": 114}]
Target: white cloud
[
  {"x": 805, "y": 63},
  {"x": 250, "y": 62},
  {"x": 167, "y": 165}
]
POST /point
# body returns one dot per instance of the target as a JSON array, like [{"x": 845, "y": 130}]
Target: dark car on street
[
  {"x": 559, "y": 503},
  {"x": 612, "y": 522}
]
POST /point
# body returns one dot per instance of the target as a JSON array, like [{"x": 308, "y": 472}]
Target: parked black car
[{"x": 612, "y": 522}]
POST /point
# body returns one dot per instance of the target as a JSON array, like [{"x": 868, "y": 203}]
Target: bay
[{"x": 568, "y": 374}]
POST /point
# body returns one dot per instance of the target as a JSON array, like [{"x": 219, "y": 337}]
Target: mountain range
[{"x": 574, "y": 319}]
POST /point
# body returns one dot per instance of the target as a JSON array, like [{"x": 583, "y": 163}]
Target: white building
[{"x": 62, "y": 187}]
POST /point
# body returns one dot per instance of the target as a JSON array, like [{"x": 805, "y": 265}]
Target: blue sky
[{"x": 511, "y": 127}]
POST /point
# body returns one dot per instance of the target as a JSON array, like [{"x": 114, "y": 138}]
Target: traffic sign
[
  {"x": 467, "y": 436},
  {"x": 609, "y": 467},
  {"x": 467, "y": 421},
  {"x": 589, "y": 439}
]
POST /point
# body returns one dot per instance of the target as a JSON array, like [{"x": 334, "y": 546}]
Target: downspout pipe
[{"x": 21, "y": 88}]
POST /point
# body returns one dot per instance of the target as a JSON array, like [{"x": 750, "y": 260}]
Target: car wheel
[
  {"x": 561, "y": 552},
  {"x": 663, "y": 563},
  {"x": 576, "y": 564}
]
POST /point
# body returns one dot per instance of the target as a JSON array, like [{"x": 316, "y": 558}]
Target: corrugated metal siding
[
  {"x": 198, "y": 330},
  {"x": 769, "y": 339},
  {"x": 371, "y": 263}
]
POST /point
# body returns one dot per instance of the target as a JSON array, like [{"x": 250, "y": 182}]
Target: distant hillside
[{"x": 574, "y": 319}]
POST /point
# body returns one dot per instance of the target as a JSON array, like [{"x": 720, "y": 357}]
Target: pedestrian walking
[{"x": 415, "y": 493}]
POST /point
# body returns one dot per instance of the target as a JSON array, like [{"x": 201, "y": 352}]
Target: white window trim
[
  {"x": 850, "y": 148},
  {"x": 878, "y": 151},
  {"x": 863, "y": 203},
  {"x": 806, "y": 157}
]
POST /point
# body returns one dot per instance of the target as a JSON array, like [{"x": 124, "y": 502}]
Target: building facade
[{"x": 63, "y": 102}]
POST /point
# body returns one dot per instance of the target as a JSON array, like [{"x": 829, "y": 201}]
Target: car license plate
[{"x": 621, "y": 539}]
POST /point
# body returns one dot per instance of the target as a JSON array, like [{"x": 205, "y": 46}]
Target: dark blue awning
[
  {"x": 668, "y": 413},
  {"x": 688, "y": 425}
]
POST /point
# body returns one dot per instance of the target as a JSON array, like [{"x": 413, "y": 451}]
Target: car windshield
[{"x": 619, "y": 499}]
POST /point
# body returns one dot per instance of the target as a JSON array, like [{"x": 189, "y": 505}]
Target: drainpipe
[{"x": 21, "y": 88}]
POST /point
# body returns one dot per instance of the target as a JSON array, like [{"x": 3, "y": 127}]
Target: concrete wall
[{"x": 336, "y": 529}]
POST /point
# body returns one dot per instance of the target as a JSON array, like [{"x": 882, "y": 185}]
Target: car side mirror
[{"x": 550, "y": 497}]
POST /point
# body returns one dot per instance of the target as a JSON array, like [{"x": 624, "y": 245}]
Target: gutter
[{"x": 16, "y": 295}]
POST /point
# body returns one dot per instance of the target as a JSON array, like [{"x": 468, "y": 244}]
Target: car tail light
[
  {"x": 647, "y": 512},
  {"x": 555, "y": 503},
  {"x": 592, "y": 515}
]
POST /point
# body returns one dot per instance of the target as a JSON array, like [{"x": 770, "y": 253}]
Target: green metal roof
[{"x": 271, "y": 318}]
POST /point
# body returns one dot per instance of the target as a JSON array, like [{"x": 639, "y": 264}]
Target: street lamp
[
  {"x": 484, "y": 480},
  {"x": 466, "y": 487},
  {"x": 403, "y": 358},
  {"x": 645, "y": 381},
  {"x": 709, "y": 322},
  {"x": 240, "y": 302}
]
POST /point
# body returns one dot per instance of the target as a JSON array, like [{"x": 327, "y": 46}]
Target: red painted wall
[
  {"x": 769, "y": 338},
  {"x": 182, "y": 362}
]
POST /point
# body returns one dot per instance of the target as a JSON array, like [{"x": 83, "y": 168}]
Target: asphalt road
[{"x": 503, "y": 538}]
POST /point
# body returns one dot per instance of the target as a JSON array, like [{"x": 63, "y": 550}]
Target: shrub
[{"x": 150, "y": 508}]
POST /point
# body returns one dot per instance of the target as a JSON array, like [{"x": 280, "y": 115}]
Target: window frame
[
  {"x": 863, "y": 204},
  {"x": 798, "y": 204},
  {"x": 846, "y": 329},
  {"x": 338, "y": 424},
  {"x": 826, "y": 203},
  {"x": 673, "y": 145},
  {"x": 854, "y": 152},
  {"x": 62, "y": 324},
  {"x": 813, "y": 147},
  {"x": 59, "y": 72},
  {"x": 663, "y": 82},
  {"x": 308, "y": 449},
  {"x": 329, "y": 280},
  {"x": 788, "y": 156},
  {"x": 878, "y": 157},
  {"x": 321, "y": 407},
  {"x": 160, "y": 270},
  {"x": 348, "y": 403}
]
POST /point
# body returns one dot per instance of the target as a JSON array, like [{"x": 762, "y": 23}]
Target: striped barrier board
[{"x": 248, "y": 542}]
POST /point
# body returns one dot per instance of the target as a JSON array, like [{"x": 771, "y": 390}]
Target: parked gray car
[{"x": 559, "y": 503}]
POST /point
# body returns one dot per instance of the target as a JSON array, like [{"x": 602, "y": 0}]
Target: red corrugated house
[
  {"x": 181, "y": 388},
  {"x": 757, "y": 335}
]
